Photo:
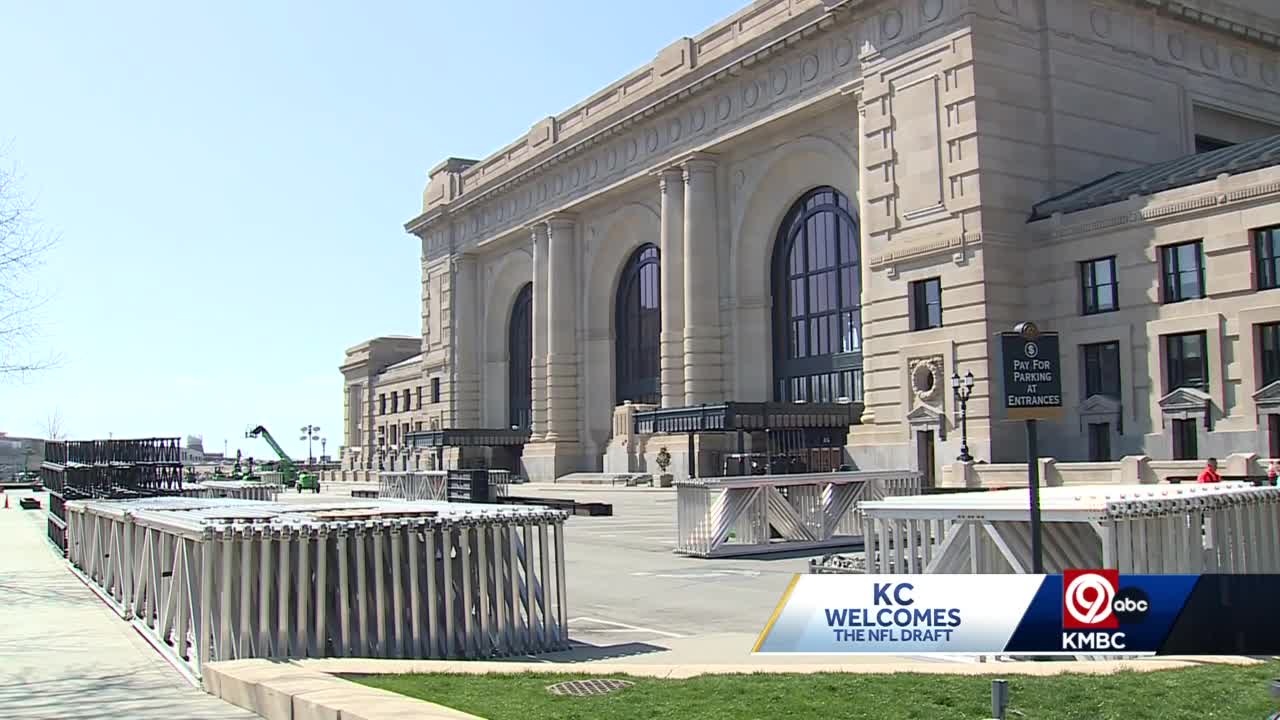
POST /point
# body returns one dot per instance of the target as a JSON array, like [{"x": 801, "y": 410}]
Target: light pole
[
  {"x": 963, "y": 389},
  {"x": 309, "y": 433},
  {"x": 323, "y": 443}
]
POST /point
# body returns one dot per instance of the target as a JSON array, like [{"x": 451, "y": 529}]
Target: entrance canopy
[
  {"x": 749, "y": 417},
  {"x": 464, "y": 438},
  {"x": 799, "y": 437}
]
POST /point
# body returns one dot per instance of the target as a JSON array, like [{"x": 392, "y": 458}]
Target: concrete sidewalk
[{"x": 64, "y": 654}]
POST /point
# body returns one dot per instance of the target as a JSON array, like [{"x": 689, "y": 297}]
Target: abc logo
[{"x": 1131, "y": 605}]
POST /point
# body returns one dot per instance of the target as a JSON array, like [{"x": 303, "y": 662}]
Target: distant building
[
  {"x": 193, "y": 452},
  {"x": 19, "y": 454}
]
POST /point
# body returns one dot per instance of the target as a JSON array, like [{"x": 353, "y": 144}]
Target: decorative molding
[
  {"x": 926, "y": 377},
  {"x": 1212, "y": 199},
  {"x": 919, "y": 250},
  {"x": 1268, "y": 398}
]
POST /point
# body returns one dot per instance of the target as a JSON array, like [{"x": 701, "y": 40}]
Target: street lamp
[
  {"x": 309, "y": 433},
  {"x": 963, "y": 388},
  {"x": 323, "y": 443}
]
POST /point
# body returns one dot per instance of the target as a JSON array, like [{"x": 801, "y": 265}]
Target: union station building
[{"x": 790, "y": 234}]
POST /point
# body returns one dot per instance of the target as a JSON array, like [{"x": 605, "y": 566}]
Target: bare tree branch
[
  {"x": 53, "y": 429},
  {"x": 23, "y": 246}
]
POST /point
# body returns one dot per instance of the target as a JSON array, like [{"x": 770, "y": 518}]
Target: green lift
[{"x": 293, "y": 475}]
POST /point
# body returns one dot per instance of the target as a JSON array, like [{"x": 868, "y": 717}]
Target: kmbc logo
[
  {"x": 1087, "y": 599},
  {"x": 1093, "y": 600}
]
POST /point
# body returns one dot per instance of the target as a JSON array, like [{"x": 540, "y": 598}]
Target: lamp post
[
  {"x": 963, "y": 389},
  {"x": 323, "y": 442},
  {"x": 309, "y": 433}
]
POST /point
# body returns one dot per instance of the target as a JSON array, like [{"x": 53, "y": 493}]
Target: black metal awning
[
  {"x": 749, "y": 417},
  {"x": 471, "y": 437}
]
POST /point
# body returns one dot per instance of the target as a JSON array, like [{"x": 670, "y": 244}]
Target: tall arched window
[
  {"x": 638, "y": 309},
  {"x": 817, "y": 301},
  {"x": 520, "y": 359}
]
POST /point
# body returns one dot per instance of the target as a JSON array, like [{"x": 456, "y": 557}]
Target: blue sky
[{"x": 229, "y": 182}]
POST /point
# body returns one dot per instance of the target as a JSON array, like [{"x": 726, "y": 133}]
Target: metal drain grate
[{"x": 583, "y": 688}]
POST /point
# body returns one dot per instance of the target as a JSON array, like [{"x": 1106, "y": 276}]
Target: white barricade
[
  {"x": 235, "y": 489},
  {"x": 216, "y": 579},
  {"x": 1219, "y": 528},
  {"x": 755, "y": 514}
]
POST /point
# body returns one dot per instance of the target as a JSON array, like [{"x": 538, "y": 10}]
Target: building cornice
[
  {"x": 1218, "y": 21},
  {"x": 1217, "y": 198},
  {"x": 723, "y": 69}
]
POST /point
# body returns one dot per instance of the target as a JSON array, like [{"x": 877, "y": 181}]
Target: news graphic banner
[{"x": 1081, "y": 612}]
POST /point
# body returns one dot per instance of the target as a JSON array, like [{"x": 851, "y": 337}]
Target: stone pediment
[
  {"x": 1100, "y": 405},
  {"x": 1268, "y": 396},
  {"x": 924, "y": 415},
  {"x": 1186, "y": 399}
]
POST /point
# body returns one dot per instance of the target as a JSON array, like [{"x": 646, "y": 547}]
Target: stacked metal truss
[
  {"x": 725, "y": 517},
  {"x": 209, "y": 580},
  {"x": 125, "y": 468},
  {"x": 1219, "y": 528},
  {"x": 236, "y": 489}
]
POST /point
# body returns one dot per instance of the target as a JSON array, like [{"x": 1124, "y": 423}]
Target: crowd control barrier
[
  {"x": 756, "y": 514},
  {"x": 208, "y": 579},
  {"x": 1151, "y": 529}
]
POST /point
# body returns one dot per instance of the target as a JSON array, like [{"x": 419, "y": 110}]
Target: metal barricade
[
  {"x": 1154, "y": 529},
  {"x": 422, "y": 485},
  {"x": 235, "y": 489},
  {"x": 216, "y": 579},
  {"x": 755, "y": 514}
]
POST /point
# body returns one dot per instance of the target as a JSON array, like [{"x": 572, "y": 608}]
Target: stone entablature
[{"x": 560, "y": 160}]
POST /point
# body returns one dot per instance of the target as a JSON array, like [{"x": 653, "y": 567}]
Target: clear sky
[{"x": 229, "y": 181}]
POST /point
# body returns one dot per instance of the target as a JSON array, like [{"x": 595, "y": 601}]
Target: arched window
[
  {"x": 520, "y": 359},
  {"x": 638, "y": 309},
  {"x": 817, "y": 301}
]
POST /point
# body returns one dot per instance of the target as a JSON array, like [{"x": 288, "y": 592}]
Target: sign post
[{"x": 1032, "y": 392}]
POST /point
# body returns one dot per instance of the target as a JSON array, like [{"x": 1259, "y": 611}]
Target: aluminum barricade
[
  {"x": 1219, "y": 528},
  {"x": 215, "y": 579},
  {"x": 755, "y": 514}
]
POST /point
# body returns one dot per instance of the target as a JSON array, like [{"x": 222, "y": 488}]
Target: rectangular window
[
  {"x": 1102, "y": 369},
  {"x": 1187, "y": 361},
  {"x": 393, "y": 434},
  {"x": 395, "y": 403},
  {"x": 1273, "y": 435},
  {"x": 1099, "y": 289},
  {"x": 435, "y": 390},
  {"x": 382, "y": 404},
  {"x": 1269, "y": 352},
  {"x": 407, "y": 406},
  {"x": 417, "y": 426},
  {"x": 404, "y": 432},
  {"x": 1266, "y": 254},
  {"x": 1183, "y": 269},
  {"x": 926, "y": 304},
  {"x": 419, "y": 397},
  {"x": 1185, "y": 446}
]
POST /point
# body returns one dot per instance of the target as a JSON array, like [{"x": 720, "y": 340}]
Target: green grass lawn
[{"x": 1198, "y": 693}]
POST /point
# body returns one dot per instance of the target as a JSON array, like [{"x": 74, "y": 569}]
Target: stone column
[
  {"x": 465, "y": 326},
  {"x": 539, "y": 365},
  {"x": 562, "y": 331},
  {"x": 671, "y": 282},
  {"x": 702, "y": 337},
  {"x": 864, "y": 264}
]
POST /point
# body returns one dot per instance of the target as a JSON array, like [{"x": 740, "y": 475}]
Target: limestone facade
[
  {"x": 386, "y": 396},
  {"x": 930, "y": 127}
]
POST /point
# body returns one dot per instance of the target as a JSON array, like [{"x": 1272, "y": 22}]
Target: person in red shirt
[{"x": 1210, "y": 472}]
